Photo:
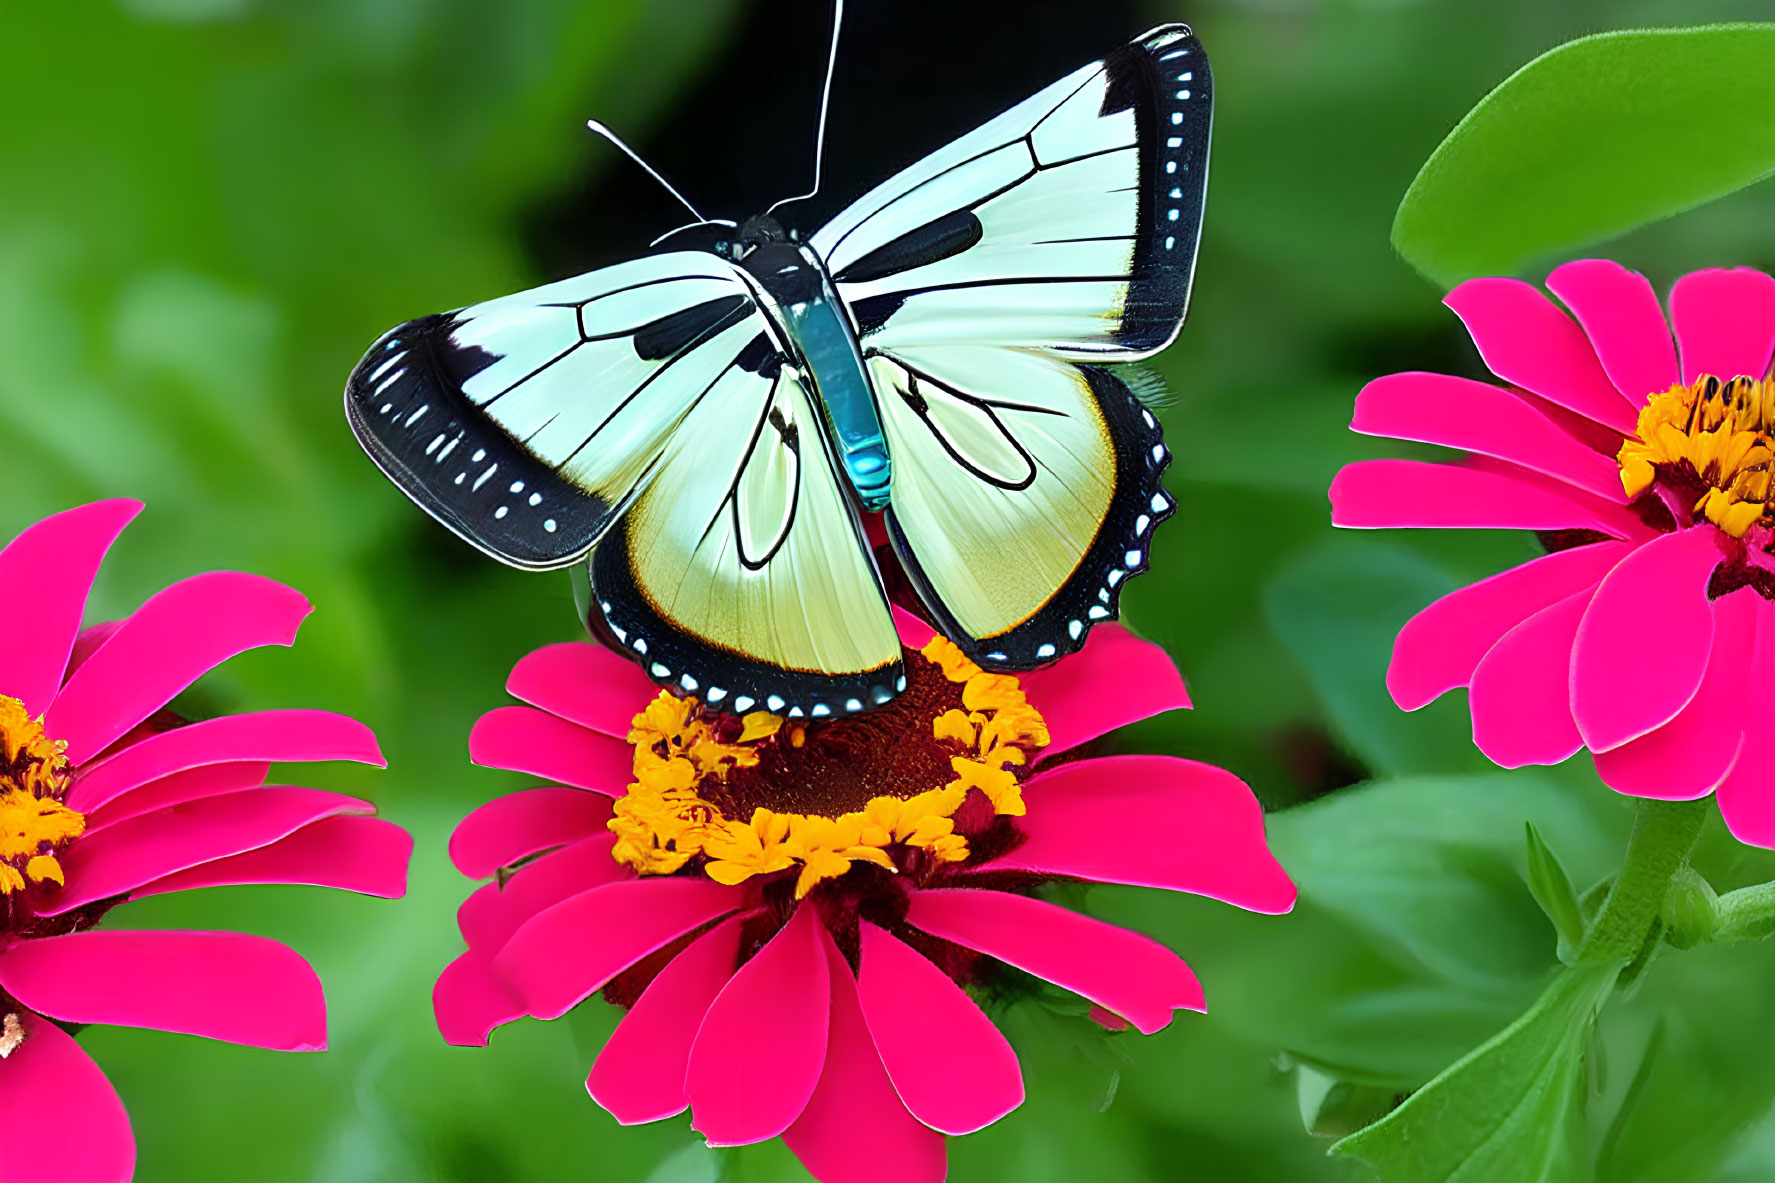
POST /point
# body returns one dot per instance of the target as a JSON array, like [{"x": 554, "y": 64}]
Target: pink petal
[
  {"x": 1525, "y": 340},
  {"x": 508, "y": 828},
  {"x": 1747, "y": 795},
  {"x": 1124, "y": 972},
  {"x": 481, "y": 919},
  {"x": 1521, "y": 690},
  {"x": 62, "y": 1117},
  {"x": 855, "y": 1105},
  {"x": 362, "y": 854},
  {"x": 758, "y": 1053},
  {"x": 123, "y": 857},
  {"x": 173, "y": 639},
  {"x": 949, "y": 1064},
  {"x": 585, "y": 684},
  {"x": 45, "y": 574},
  {"x": 88, "y": 642},
  {"x": 208, "y": 780},
  {"x": 1725, "y": 322},
  {"x": 1439, "y": 648},
  {"x": 1643, "y": 646},
  {"x": 1386, "y": 494},
  {"x": 1620, "y": 314},
  {"x": 1115, "y": 680},
  {"x": 557, "y": 876},
  {"x": 565, "y": 953},
  {"x": 639, "y": 1076},
  {"x": 1627, "y": 522},
  {"x": 1478, "y": 417},
  {"x": 490, "y": 916},
  {"x": 524, "y": 739},
  {"x": 264, "y": 735},
  {"x": 1203, "y": 830},
  {"x": 220, "y": 985},
  {"x": 469, "y": 1001},
  {"x": 915, "y": 634},
  {"x": 1107, "y": 1020},
  {"x": 1688, "y": 756}
]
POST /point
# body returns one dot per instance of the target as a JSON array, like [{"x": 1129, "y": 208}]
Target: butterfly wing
[
  {"x": 1067, "y": 224},
  {"x": 741, "y": 573},
  {"x": 642, "y": 413},
  {"x": 990, "y": 283},
  {"x": 1019, "y": 515},
  {"x": 526, "y": 423}
]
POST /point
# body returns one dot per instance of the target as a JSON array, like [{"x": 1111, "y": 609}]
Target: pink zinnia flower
[
  {"x": 1647, "y": 633},
  {"x": 790, "y": 910},
  {"x": 105, "y": 798}
]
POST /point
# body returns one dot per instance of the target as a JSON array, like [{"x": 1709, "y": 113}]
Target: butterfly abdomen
[{"x": 799, "y": 297}]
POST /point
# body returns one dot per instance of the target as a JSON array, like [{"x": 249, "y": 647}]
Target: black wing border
[
  {"x": 468, "y": 443},
  {"x": 1174, "y": 119},
  {"x": 1121, "y": 550}
]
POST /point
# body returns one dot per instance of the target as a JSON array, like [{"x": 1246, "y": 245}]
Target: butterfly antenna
[
  {"x": 825, "y": 103},
  {"x": 605, "y": 131}
]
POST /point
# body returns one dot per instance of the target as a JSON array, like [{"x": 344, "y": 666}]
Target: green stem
[
  {"x": 1747, "y": 914},
  {"x": 1663, "y": 834}
]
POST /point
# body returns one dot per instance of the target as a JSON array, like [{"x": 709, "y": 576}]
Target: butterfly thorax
[{"x": 795, "y": 291}]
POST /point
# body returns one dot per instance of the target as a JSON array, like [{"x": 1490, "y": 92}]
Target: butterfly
[{"x": 711, "y": 425}]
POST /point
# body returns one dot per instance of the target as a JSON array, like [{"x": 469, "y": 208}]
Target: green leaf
[
  {"x": 1747, "y": 914},
  {"x": 1333, "y": 1107},
  {"x": 1427, "y": 866},
  {"x": 1589, "y": 140},
  {"x": 1511, "y": 1109},
  {"x": 1552, "y": 889}
]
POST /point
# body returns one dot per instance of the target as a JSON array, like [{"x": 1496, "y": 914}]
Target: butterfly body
[
  {"x": 795, "y": 291},
  {"x": 710, "y": 423}
]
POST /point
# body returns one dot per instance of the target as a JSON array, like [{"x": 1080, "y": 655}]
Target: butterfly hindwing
[
  {"x": 1067, "y": 224},
  {"x": 741, "y": 573},
  {"x": 1026, "y": 491},
  {"x": 525, "y": 423}
]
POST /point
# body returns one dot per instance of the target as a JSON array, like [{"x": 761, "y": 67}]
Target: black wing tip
[
  {"x": 1169, "y": 33},
  {"x": 1121, "y": 550},
  {"x": 1165, "y": 79},
  {"x": 406, "y": 417}
]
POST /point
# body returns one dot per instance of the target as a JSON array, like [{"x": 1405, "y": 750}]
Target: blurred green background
[{"x": 212, "y": 206}]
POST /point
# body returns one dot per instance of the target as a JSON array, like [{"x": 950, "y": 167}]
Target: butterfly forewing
[
  {"x": 1067, "y": 224},
  {"x": 525, "y": 423}
]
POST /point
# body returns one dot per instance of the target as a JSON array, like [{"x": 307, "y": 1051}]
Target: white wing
[
  {"x": 1026, "y": 490},
  {"x": 525, "y": 423},
  {"x": 1068, "y": 224},
  {"x": 741, "y": 573}
]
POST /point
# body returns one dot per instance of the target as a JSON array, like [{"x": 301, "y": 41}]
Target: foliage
[
  {"x": 214, "y": 205},
  {"x": 1595, "y": 137}
]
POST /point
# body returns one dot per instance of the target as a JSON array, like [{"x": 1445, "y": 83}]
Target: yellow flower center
[
  {"x": 1711, "y": 444},
  {"x": 34, "y": 824},
  {"x": 735, "y": 798}
]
